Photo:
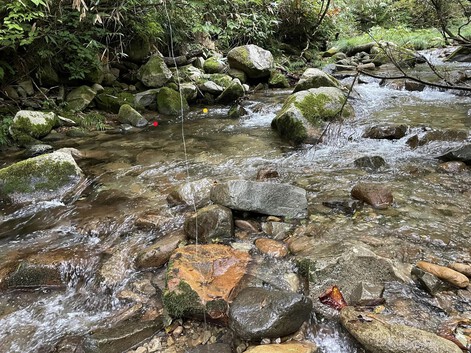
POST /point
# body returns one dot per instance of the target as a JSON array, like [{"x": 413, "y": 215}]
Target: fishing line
[{"x": 187, "y": 168}]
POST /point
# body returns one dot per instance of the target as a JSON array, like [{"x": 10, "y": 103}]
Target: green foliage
[
  {"x": 5, "y": 123},
  {"x": 93, "y": 122},
  {"x": 417, "y": 39}
]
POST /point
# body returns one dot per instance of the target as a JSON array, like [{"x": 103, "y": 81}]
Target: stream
[{"x": 131, "y": 173}]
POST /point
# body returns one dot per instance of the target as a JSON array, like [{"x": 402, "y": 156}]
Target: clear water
[{"x": 132, "y": 174}]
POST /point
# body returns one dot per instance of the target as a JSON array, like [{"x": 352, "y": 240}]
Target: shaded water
[{"x": 131, "y": 174}]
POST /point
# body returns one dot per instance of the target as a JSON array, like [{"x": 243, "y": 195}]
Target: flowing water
[{"x": 130, "y": 174}]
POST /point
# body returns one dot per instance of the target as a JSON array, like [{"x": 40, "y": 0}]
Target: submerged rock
[
  {"x": 376, "y": 195},
  {"x": 266, "y": 198},
  {"x": 211, "y": 348},
  {"x": 370, "y": 163},
  {"x": 251, "y": 59},
  {"x": 305, "y": 114},
  {"x": 46, "y": 177},
  {"x": 259, "y": 313},
  {"x": 378, "y": 336},
  {"x": 202, "y": 279},
  {"x": 452, "y": 167},
  {"x": 315, "y": 78},
  {"x": 212, "y": 223},
  {"x": 386, "y": 132},
  {"x": 271, "y": 247}
]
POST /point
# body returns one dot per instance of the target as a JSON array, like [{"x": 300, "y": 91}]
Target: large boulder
[
  {"x": 46, "y": 177},
  {"x": 266, "y": 198},
  {"x": 251, "y": 59},
  {"x": 379, "y": 336},
  {"x": 80, "y": 98},
  {"x": 259, "y": 313},
  {"x": 210, "y": 224},
  {"x": 34, "y": 125},
  {"x": 214, "y": 65},
  {"x": 128, "y": 115},
  {"x": 169, "y": 102},
  {"x": 154, "y": 73},
  {"x": 305, "y": 114},
  {"x": 201, "y": 279},
  {"x": 315, "y": 78}
]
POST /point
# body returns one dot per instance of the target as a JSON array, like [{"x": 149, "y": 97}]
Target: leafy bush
[{"x": 5, "y": 123}]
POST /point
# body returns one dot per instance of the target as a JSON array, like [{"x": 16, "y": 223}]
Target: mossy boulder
[
  {"x": 221, "y": 79},
  {"x": 194, "y": 289},
  {"x": 278, "y": 80},
  {"x": 169, "y": 102},
  {"x": 46, "y": 177},
  {"x": 128, "y": 115},
  {"x": 233, "y": 92},
  {"x": 27, "y": 125},
  {"x": 80, "y": 98},
  {"x": 241, "y": 75},
  {"x": 155, "y": 72},
  {"x": 110, "y": 100},
  {"x": 315, "y": 78},
  {"x": 305, "y": 114},
  {"x": 214, "y": 65},
  {"x": 189, "y": 90},
  {"x": 256, "y": 62}
]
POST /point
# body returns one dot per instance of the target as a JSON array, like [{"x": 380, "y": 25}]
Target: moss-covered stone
[
  {"x": 111, "y": 100},
  {"x": 239, "y": 74},
  {"x": 304, "y": 114},
  {"x": 183, "y": 302},
  {"x": 222, "y": 80},
  {"x": 213, "y": 65},
  {"x": 32, "y": 124},
  {"x": 128, "y": 115},
  {"x": 233, "y": 92},
  {"x": 169, "y": 102},
  {"x": 44, "y": 177},
  {"x": 79, "y": 98},
  {"x": 315, "y": 78},
  {"x": 278, "y": 80},
  {"x": 155, "y": 72},
  {"x": 251, "y": 59}
]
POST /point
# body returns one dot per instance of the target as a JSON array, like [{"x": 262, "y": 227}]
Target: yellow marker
[{"x": 205, "y": 110}]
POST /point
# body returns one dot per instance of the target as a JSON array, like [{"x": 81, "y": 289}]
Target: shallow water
[{"x": 130, "y": 174}]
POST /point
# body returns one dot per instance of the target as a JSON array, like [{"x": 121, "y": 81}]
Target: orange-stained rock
[
  {"x": 272, "y": 247},
  {"x": 202, "y": 278}
]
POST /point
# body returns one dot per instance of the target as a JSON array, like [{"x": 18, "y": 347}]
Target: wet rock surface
[
  {"x": 386, "y": 132},
  {"x": 377, "y": 195},
  {"x": 265, "y": 198},
  {"x": 257, "y": 313},
  {"x": 210, "y": 224}
]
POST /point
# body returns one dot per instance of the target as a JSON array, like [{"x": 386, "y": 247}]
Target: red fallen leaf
[{"x": 333, "y": 297}]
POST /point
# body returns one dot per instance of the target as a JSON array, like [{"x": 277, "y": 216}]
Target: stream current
[{"x": 132, "y": 173}]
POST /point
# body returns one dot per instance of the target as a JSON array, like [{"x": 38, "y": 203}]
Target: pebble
[{"x": 178, "y": 331}]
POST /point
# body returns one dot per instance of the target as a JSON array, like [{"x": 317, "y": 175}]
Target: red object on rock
[
  {"x": 333, "y": 297},
  {"x": 155, "y": 123}
]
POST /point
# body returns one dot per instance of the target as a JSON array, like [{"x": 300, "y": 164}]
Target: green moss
[
  {"x": 32, "y": 175},
  {"x": 183, "y": 301},
  {"x": 212, "y": 66},
  {"x": 290, "y": 127},
  {"x": 24, "y": 124},
  {"x": 222, "y": 80},
  {"x": 306, "y": 268},
  {"x": 111, "y": 100},
  {"x": 278, "y": 80},
  {"x": 169, "y": 102},
  {"x": 315, "y": 108}
]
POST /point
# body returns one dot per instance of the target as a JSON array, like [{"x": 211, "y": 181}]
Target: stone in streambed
[
  {"x": 378, "y": 336},
  {"x": 266, "y": 198},
  {"x": 259, "y": 313},
  {"x": 211, "y": 348},
  {"x": 80, "y": 98},
  {"x": 169, "y": 102},
  {"x": 291, "y": 347},
  {"x": 46, "y": 177},
  {"x": 159, "y": 253},
  {"x": 212, "y": 223},
  {"x": 256, "y": 62},
  {"x": 155, "y": 72},
  {"x": 376, "y": 195},
  {"x": 462, "y": 154},
  {"x": 202, "y": 279},
  {"x": 31, "y": 124},
  {"x": 195, "y": 192},
  {"x": 128, "y": 115},
  {"x": 444, "y": 273},
  {"x": 271, "y": 247},
  {"x": 386, "y": 132},
  {"x": 462, "y": 268},
  {"x": 370, "y": 163},
  {"x": 315, "y": 78}
]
